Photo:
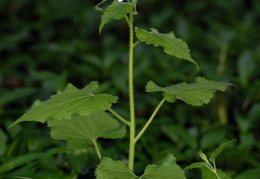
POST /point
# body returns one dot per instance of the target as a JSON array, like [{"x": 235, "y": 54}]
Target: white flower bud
[{"x": 120, "y": 0}]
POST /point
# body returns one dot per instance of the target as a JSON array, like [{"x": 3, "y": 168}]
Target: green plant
[{"x": 80, "y": 116}]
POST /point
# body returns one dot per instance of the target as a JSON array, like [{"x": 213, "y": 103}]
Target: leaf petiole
[
  {"x": 127, "y": 19},
  {"x": 149, "y": 121},
  {"x": 97, "y": 150},
  {"x": 136, "y": 43},
  {"x": 119, "y": 117}
]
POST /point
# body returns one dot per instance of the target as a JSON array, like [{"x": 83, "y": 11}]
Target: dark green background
[{"x": 46, "y": 44}]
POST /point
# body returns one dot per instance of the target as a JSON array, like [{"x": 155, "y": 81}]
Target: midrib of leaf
[
  {"x": 118, "y": 10},
  {"x": 190, "y": 87},
  {"x": 167, "y": 40},
  {"x": 61, "y": 105}
]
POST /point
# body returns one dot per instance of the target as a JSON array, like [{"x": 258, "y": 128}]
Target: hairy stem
[
  {"x": 149, "y": 121},
  {"x": 97, "y": 150},
  {"x": 119, "y": 117},
  {"x": 131, "y": 95}
]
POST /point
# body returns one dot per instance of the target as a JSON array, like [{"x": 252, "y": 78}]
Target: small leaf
[
  {"x": 171, "y": 45},
  {"x": 195, "y": 94},
  {"x": 97, "y": 8},
  {"x": 203, "y": 156},
  {"x": 68, "y": 102},
  {"x": 196, "y": 165},
  {"x": 218, "y": 150},
  {"x": 109, "y": 169},
  {"x": 207, "y": 174},
  {"x": 168, "y": 169},
  {"x": 80, "y": 131},
  {"x": 115, "y": 11}
]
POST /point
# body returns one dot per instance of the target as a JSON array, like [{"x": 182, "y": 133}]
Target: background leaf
[
  {"x": 109, "y": 169},
  {"x": 171, "y": 45},
  {"x": 251, "y": 173},
  {"x": 218, "y": 150},
  {"x": 79, "y": 131},
  {"x": 245, "y": 67},
  {"x": 115, "y": 11},
  {"x": 68, "y": 102},
  {"x": 196, "y": 94}
]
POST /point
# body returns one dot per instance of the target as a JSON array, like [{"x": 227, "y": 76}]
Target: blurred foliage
[{"x": 46, "y": 44}]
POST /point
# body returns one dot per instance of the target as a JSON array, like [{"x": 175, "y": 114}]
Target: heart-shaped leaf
[
  {"x": 167, "y": 169},
  {"x": 80, "y": 131},
  {"x": 109, "y": 169}
]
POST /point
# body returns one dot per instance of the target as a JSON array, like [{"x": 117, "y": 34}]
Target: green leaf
[
  {"x": 19, "y": 161},
  {"x": 109, "y": 169},
  {"x": 251, "y": 173},
  {"x": 26, "y": 172},
  {"x": 68, "y": 102},
  {"x": 195, "y": 94},
  {"x": 218, "y": 150},
  {"x": 203, "y": 156},
  {"x": 115, "y": 11},
  {"x": 168, "y": 169},
  {"x": 15, "y": 95},
  {"x": 3, "y": 142},
  {"x": 207, "y": 174},
  {"x": 171, "y": 45},
  {"x": 81, "y": 131},
  {"x": 196, "y": 165},
  {"x": 178, "y": 133},
  {"x": 26, "y": 158},
  {"x": 245, "y": 67}
]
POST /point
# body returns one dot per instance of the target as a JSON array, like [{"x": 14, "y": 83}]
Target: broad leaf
[
  {"x": 207, "y": 174},
  {"x": 196, "y": 165},
  {"x": 109, "y": 169},
  {"x": 68, "y": 102},
  {"x": 80, "y": 131},
  {"x": 171, "y": 45},
  {"x": 218, "y": 150},
  {"x": 115, "y": 11},
  {"x": 168, "y": 169},
  {"x": 195, "y": 94}
]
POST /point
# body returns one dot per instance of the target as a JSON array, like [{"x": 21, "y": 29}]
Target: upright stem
[{"x": 131, "y": 96}]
